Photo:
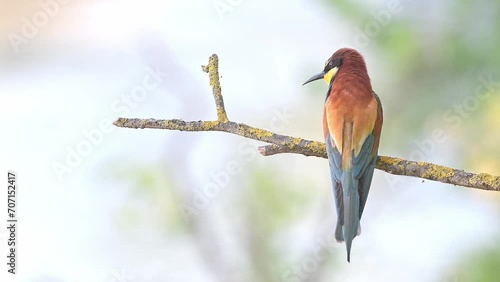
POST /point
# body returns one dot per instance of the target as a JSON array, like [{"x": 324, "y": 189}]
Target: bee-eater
[{"x": 352, "y": 122}]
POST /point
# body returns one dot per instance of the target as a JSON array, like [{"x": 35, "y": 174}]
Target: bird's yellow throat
[{"x": 330, "y": 74}]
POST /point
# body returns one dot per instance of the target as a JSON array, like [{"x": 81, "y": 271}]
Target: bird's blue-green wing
[
  {"x": 335, "y": 161},
  {"x": 363, "y": 166}
]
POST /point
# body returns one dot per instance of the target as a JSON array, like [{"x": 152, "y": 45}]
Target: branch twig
[
  {"x": 280, "y": 144},
  {"x": 213, "y": 73}
]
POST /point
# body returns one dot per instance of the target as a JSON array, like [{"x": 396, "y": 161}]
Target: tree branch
[{"x": 280, "y": 144}]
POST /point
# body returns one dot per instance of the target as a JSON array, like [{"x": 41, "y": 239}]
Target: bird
[{"x": 352, "y": 124}]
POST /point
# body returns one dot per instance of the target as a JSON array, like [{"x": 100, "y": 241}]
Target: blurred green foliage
[
  {"x": 480, "y": 266},
  {"x": 152, "y": 198}
]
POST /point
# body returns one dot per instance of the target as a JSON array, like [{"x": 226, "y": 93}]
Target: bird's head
[{"x": 344, "y": 58}]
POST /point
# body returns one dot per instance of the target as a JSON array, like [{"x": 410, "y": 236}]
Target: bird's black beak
[{"x": 315, "y": 77}]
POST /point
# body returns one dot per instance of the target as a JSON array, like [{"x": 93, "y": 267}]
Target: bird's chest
[{"x": 349, "y": 108}]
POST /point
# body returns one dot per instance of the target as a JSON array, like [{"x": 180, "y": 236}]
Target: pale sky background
[{"x": 70, "y": 76}]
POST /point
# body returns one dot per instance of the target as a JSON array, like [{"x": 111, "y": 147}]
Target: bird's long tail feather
[
  {"x": 350, "y": 190},
  {"x": 351, "y": 209}
]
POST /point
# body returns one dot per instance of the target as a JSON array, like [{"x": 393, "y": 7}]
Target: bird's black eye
[{"x": 335, "y": 63}]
